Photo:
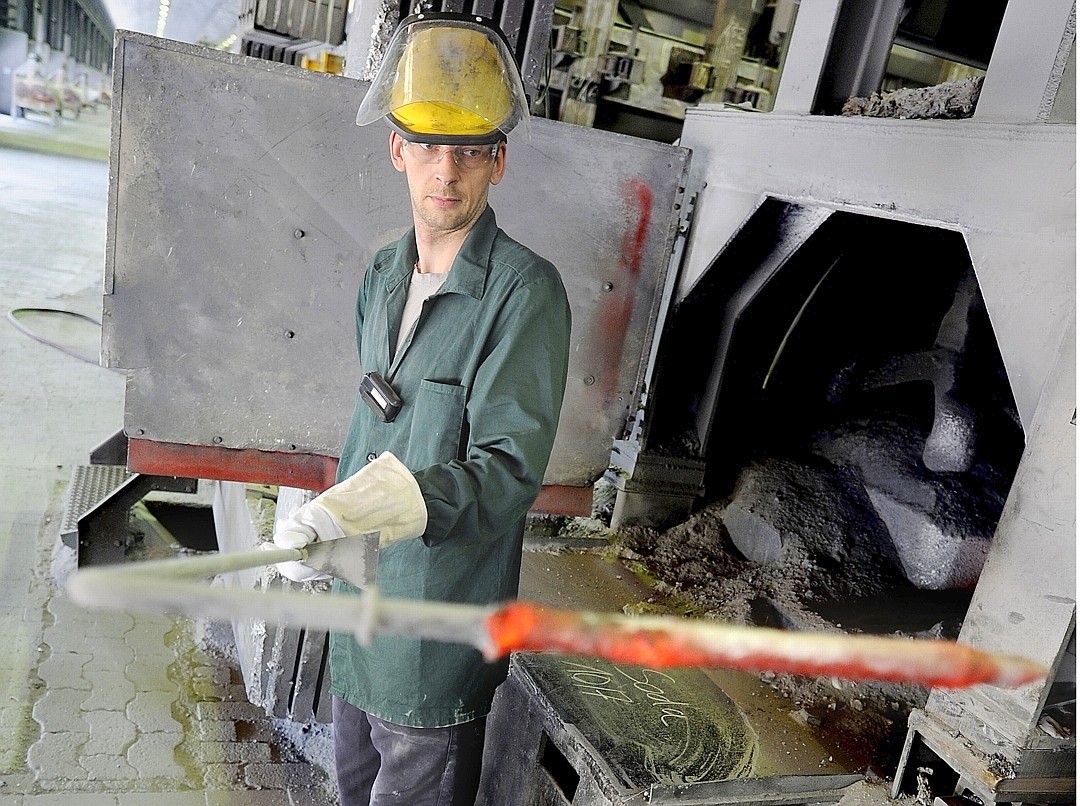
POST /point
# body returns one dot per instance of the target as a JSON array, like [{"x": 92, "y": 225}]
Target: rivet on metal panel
[
  {"x": 218, "y": 440},
  {"x": 608, "y": 286},
  {"x": 589, "y": 380},
  {"x": 299, "y": 234},
  {"x": 290, "y": 334}
]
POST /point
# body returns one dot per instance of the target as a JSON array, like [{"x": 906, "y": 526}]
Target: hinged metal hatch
[{"x": 244, "y": 205}]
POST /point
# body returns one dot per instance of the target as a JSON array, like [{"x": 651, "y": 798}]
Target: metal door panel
[{"x": 244, "y": 205}]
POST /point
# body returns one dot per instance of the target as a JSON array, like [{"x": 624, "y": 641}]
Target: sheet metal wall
[
  {"x": 1011, "y": 193},
  {"x": 1006, "y": 192},
  {"x": 244, "y": 204}
]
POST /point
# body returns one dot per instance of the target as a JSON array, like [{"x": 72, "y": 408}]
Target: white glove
[
  {"x": 294, "y": 569},
  {"x": 380, "y": 497}
]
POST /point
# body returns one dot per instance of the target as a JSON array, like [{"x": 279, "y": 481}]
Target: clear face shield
[{"x": 448, "y": 80}]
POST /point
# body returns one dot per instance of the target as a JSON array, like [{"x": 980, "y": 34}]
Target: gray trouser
[{"x": 383, "y": 764}]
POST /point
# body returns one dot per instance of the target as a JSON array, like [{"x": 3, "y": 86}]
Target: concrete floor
[{"x": 96, "y": 708}]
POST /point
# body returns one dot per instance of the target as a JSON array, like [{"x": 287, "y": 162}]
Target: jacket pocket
[{"x": 435, "y": 430}]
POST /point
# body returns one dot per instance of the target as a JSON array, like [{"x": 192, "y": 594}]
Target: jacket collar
[{"x": 468, "y": 273}]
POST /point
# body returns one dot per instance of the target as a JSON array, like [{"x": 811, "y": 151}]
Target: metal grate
[{"x": 90, "y": 485}]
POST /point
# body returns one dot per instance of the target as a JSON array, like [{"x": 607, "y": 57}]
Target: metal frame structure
[
  {"x": 245, "y": 279},
  {"x": 1010, "y": 193},
  {"x": 81, "y": 28}
]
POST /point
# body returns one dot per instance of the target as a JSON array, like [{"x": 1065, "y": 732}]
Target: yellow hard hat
[{"x": 447, "y": 79}]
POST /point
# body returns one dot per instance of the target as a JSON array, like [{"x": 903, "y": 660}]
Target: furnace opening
[
  {"x": 840, "y": 377},
  {"x": 845, "y": 386}
]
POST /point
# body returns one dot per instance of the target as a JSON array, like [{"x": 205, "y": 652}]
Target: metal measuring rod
[{"x": 171, "y": 586}]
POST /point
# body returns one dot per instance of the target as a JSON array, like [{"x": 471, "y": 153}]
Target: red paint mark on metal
[
  {"x": 305, "y": 471},
  {"x": 668, "y": 642},
  {"x": 560, "y": 499},
  {"x": 639, "y": 196},
  {"x": 617, "y": 306}
]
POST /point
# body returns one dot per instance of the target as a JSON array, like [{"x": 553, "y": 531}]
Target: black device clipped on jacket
[{"x": 380, "y": 396}]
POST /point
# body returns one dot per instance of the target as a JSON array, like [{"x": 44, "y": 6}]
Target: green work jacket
[{"x": 481, "y": 379}]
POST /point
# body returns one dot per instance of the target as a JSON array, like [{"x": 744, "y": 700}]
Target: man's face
[{"x": 446, "y": 198}]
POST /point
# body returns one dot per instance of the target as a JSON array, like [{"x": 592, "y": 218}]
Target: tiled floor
[{"x": 96, "y": 708}]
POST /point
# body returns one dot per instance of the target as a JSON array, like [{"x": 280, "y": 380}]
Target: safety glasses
[{"x": 468, "y": 158}]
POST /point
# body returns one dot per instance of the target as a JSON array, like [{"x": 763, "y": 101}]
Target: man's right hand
[
  {"x": 294, "y": 570},
  {"x": 381, "y": 497}
]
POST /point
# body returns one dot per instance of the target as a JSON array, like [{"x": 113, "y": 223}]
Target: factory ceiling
[{"x": 208, "y": 22}]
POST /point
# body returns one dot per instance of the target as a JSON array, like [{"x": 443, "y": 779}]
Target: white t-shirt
[{"x": 421, "y": 286}]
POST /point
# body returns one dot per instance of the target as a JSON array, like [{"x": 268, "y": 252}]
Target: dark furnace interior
[{"x": 841, "y": 376}]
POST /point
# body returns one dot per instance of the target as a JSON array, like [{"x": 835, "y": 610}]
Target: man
[{"x": 463, "y": 340}]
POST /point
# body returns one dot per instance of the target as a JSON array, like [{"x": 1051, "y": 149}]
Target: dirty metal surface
[
  {"x": 650, "y": 727},
  {"x": 1019, "y": 225},
  {"x": 244, "y": 205},
  {"x": 676, "y": 734},
  {"x": 89, "y": 485},
  {"x": 1025, "y": 599}
]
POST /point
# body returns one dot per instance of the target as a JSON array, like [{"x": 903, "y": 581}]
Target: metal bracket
[
  {"x": 113, "y": 451},
  {"x": 686, "y": 213},
  {"x": 99, "y": 499},
  {"x": 950, "y": 766}
]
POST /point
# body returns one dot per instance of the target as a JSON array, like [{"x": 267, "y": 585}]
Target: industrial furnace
[{"x": 884, "y": 309}]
